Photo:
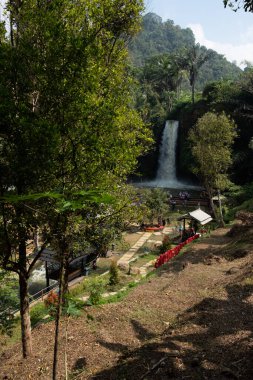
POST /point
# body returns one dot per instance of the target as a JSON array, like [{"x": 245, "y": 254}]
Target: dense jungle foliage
[
  {"x": 179, "y": 79},
  {"x": 158, "y": 38}
]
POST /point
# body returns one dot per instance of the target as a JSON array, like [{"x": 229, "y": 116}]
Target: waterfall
[
  {"x": 166, "y": 172},
  {"x": 37, "y": 280},
  {"x": 167, "y": 157}
]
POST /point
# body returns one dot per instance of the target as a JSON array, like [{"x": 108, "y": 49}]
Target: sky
[{"x": 227, "y": 32}]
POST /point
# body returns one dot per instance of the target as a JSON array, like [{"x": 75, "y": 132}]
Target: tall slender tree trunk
[
  {"x": 220, "y": 209},
  {"x": 25, "y": 317},
  {"x": 210, "y": 196},
  {"x": 36, "y": 240},
  {"x": 24, "y": 303},
  {"x": 62, "y": 289},
  {"x": 193, "y": 92},
  {"x": 57, "y": 325},
  {"x": 65, "y": 287}
]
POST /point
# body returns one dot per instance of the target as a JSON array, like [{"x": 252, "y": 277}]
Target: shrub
[
  {"x": 113, "y": 273},
  {"x": 9, "y": 302},
  {"x": 79, "y": 289},
  {"x": 51, "y": 302},
  {"x": 95, "y": 287},
  {"x": 132, "y": 284},
  {"x": 38, "y": 312},
  {"x": 166, "y": 245}
]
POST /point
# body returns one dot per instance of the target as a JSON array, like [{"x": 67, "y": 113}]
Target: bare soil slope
[{"x": 193, "y": 321}]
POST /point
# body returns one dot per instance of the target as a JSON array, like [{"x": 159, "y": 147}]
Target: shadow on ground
[
  {"x": 212, "y": 249},
  {"x": 212, "y": 340}
]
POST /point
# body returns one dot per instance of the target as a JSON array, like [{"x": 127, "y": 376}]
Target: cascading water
[
  {"x": 166, "y": 173},
  {"x": 37, "y": 279}
]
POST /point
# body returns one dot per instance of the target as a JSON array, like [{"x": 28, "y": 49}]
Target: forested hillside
[
  {"x": 158, "y": 37},
  {"x": 179, "y": 79},
  {"x": 76, "y": 116}
]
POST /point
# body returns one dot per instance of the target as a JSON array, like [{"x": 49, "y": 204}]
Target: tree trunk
[
  {"x": 57, "y": 325},
  {"x": 36, "y": 240},
  {"x": 222, "y": 224},
  {"x": 25, "y": 316},
  {"x": 66, "y": 348},
  {"x": 193, "y": 92},
  {"x": 26, "y": 333},
  {"x": 65, "y": 287},
  {"x": 210, "y": 196}
]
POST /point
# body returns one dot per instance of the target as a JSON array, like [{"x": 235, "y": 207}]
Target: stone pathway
[
  {"x": 132, "y": 251},
  {"x": 126, "y": 258},
  {"x": 169, "y": 229},
  {"x": 144, "y": 268}
]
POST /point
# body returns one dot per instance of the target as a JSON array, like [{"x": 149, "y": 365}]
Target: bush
[
  {"x": 166, "y": 245},
  {"x": 95, "y": 287},
  {"x": 113, "y": 273},
  {"x": 38, "y": 312},
  {"x": 79, "y": 289},
  {"x": 9, "y": 302},
  {"x": 51, "y": 302},
  {"x": 132, "y": 284}
]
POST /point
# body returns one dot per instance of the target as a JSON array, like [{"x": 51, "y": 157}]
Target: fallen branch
[{"x": 158, "y": 363}]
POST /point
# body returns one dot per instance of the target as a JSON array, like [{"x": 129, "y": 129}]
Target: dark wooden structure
[
  {"x": 77, "y": 266},
  {"x": 196, "y": 217}
]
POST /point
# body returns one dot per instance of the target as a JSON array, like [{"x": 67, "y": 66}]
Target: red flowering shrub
[
  {"x": 166, "y": 245},
  {"x": 51, "y": 302}
]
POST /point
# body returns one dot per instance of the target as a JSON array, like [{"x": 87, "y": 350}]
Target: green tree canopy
[
  {"x": 237, "y": 4},
  {"x": 67, "y": 122},
  {"x": 211, "y": 140}
]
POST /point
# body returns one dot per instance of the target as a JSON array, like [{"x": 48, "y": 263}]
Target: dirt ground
[{"x": 192, "y": 321}]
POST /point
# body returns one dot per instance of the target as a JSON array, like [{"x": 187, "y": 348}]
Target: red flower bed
[{"x": 165, "y": 257}]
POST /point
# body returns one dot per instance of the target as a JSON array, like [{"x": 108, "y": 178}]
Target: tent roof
[{"x": 199, "y": 215}]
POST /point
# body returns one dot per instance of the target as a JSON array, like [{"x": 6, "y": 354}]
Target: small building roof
[
  {"x": 199, "y": 215},
  {"x": 51, "y": 256}
]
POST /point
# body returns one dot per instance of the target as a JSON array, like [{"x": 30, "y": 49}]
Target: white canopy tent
[{"x": 198, "y": 216}]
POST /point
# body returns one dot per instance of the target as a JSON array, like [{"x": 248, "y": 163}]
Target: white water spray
[
  {"x": 37, "y": 279},
  {"x": 166, "y": 173}
]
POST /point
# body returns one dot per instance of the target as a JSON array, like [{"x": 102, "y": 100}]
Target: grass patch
[
  {"x": 248, "y": 281},
  {"x": 79, "y": 289},
  {"x": 38, "y": 313},
  {"x": 83, "y": 288},
  {"x": 144, "y": 259},
  {"x": 8, "y": 341},
  {"x": 132, "y": 284},
  {"x": 115, "y": 297},
  {"x": 146, "y": 315}
]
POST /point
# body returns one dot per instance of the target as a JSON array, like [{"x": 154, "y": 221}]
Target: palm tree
[
  {"x": 197, "y": 55},
  {"x": 179, "y": 71}
]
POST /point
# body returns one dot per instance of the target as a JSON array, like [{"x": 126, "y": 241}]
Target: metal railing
[
  {"x": 37, "y": 296},
  {"x": 42, "y": 293},
  {"x": 32, "y": 299}
]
